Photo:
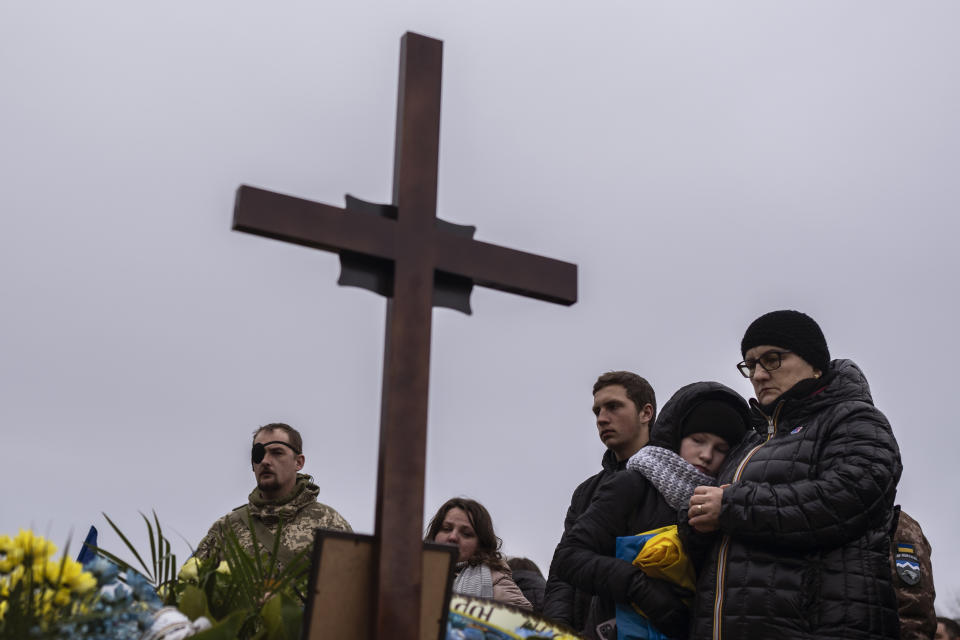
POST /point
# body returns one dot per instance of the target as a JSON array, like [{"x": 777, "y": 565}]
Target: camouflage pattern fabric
[
  {"x": 300, "y": 513},
  {"x": 913, "y": 580}
]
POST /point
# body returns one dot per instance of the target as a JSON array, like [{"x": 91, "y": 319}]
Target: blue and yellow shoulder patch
[{"x": 908, "y": 564}]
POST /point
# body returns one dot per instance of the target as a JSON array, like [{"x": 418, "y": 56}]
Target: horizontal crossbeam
[{"x": 321, "y": 226}]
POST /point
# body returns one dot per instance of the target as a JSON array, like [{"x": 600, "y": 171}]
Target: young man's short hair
[
  {"x": 524, "y": 564},
  {"x": 638, "y": 389},
  {"x": 951, "y": 626}
]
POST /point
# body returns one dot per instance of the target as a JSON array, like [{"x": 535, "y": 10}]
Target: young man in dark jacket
[{"x": 625, "y": 406}]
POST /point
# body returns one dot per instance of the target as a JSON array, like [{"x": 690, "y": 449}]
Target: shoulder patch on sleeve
[{"x": 908, "y": 565}]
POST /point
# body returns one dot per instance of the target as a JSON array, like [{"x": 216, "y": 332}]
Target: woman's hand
[{"x": 704, "y": 512}]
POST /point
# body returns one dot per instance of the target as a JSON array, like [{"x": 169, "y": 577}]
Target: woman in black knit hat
[
  {"x": 688, "y": 444},
  {"x": 800, "y": 523}
]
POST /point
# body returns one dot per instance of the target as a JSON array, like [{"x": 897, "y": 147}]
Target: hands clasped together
[{"x": 704, "y": 512}]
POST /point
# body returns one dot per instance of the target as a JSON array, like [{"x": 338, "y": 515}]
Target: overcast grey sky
[{"x": 701, "y": 162}]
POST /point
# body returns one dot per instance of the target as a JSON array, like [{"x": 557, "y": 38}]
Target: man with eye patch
[{"x": 284, "y": 498}]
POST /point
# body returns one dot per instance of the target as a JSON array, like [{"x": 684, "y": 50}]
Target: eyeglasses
[{"x": 769, "y": 361}]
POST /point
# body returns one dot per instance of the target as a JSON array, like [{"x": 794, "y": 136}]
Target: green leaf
[
  {"x": 153, "y": 547},
  {"x": 193, "y": 603},
  {"x": 272, "y": 617},
  {"x": 256, "y": 543},
  {"x": 130, "y": 546},
  {"x": 227, "y": 629},
  {"x": 164, "y": 549},
  {"x": 275, "y": 553},
  {"x": 242, "y": 570},
  {"x": 282, "y": 618},
  {"x": 168, "y": 577}
]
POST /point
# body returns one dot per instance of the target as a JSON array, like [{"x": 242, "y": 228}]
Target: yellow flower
[
  {"x": 54, "y": 586},
  {"x": 12, "y": 560},
  {"x": 72, "y": 570},
  {"x": 69, "y": 574},
  {"x": 188, "y": 572},
  {"x": 52, "y": 571},
  {"x": 24, "y": 538},
  {"x": 38, "y": 571},
  {"x": 44, "y": 602},
  {"x": 83, "y": 583},
  {"x": 62, "y": 597},
  {"x": 34, "y": 545},
  {"x": 16, "y": 575},
  {"x": 223, "y": 568},
  {"x": 59, "y": 571}
]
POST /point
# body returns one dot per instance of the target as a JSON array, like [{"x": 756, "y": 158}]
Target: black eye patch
[{"x": 259, "y": 450}]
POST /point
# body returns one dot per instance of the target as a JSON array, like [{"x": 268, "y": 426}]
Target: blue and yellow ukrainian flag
[{"x": 660, "y": 554}]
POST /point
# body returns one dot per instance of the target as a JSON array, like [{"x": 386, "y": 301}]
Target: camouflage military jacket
[
  {"x": 913, "y": 580},
  {"x": 299, "y": 512}
]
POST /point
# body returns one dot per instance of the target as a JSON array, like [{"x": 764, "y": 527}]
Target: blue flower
[
  {"x": 145, "y": 620},
  {"x": 143, "y": 590},
  {"x": 103, "y": 570}
]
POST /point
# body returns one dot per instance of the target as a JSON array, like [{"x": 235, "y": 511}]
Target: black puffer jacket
[
  {"x": 626, "y": 504},
  {"x": 562, "y": 602},
  {"x": 803, "y": 550},
  {"x": 532, "y": 585}
]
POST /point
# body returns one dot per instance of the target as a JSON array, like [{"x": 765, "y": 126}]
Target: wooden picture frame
[{"x": 340, "y": 596}]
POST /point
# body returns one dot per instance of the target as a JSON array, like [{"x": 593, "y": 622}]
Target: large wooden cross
[{"x": 417, "y": 249}]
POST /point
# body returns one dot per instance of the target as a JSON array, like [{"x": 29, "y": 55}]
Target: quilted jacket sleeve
[
  {"x": 585, "y": 556},
  {"x": 559, "y": 596},
  {"x": 854, "y": 467}
]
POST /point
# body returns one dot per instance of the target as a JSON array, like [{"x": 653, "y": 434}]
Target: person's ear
[
  {"x": 300, "y": 460},
  {"x": 646, "y": 413}
]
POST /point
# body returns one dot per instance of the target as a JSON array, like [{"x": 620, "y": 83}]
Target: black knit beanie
[
  {"x": 790, "y": 330},
  {"x": 717, "y": 417}
]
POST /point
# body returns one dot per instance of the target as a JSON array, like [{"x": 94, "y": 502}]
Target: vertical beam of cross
[{"x": 406, "y": 367}]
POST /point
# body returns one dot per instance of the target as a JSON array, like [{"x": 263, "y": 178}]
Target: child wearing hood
[{"x": 688, "y": 444}]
